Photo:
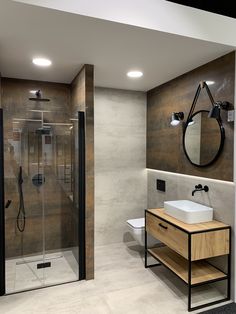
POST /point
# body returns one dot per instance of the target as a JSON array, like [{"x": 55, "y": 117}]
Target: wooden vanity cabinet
[{"x": 185, "y": 248}]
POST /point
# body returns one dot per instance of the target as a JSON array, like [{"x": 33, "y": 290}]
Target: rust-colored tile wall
[
  {"x": 58, "y": 207},
  {"x": 164, "y": 142},
  {"x": 82, "y": 98}
]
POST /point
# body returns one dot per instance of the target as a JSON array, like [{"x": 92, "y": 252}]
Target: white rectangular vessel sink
[{"x": 188, "y": 211}]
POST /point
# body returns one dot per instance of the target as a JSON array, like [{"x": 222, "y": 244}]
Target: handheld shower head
[{"x": 20, "y": 219}]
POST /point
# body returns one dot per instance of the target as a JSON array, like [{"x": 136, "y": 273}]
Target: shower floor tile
[{"x": 22, "y": 273}]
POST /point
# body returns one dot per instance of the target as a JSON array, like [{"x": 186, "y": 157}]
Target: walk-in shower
[{"x": 41, "y": 193}]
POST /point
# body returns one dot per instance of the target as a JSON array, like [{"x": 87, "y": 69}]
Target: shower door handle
[{"x": 8, "y": 203}]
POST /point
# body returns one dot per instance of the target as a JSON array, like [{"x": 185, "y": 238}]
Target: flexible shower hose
[{"x": 20, "y": 220}]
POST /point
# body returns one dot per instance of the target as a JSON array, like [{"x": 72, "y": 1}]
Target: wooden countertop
[{"x": 214, "y": 224}]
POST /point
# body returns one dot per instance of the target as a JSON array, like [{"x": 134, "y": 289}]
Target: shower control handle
[{"x": 8, "y": 203}]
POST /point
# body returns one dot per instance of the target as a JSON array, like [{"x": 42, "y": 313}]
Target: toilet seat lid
[{"x": 137, "y": 223}]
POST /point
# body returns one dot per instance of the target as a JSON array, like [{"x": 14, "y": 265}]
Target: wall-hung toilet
[{"x": 137, "y": 229}]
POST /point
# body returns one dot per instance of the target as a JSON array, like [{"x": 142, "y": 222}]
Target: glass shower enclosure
[{"x": 42, "y": 200}]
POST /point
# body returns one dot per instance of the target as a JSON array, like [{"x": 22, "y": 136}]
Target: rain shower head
[{"x": 38, "y": 97}]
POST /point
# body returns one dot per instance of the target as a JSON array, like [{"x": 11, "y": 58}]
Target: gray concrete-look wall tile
[
  {"x": 179, "y": 186},
  {"x": 120, "y": 161}
]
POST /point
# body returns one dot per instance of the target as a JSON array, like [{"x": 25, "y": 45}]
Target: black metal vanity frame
[{"x": 189, "y": 285}]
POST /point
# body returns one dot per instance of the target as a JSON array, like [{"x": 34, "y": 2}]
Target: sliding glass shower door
[{"x": 42, "y": 206}]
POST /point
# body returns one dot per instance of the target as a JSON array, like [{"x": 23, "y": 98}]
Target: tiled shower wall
[
  {"x": 59, "y": 222},
  {"x": 120, "y": 161}
]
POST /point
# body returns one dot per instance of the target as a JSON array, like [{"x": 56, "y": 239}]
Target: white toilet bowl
[{"x": 137, "y": 229}]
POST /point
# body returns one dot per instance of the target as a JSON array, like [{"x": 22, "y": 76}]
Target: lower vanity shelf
[
  {"x": 202, "y": 271},
  {"x": 187, "y": 248}
]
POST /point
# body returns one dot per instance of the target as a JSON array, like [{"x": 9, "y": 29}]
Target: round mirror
[{"x": 203, "y": 139}]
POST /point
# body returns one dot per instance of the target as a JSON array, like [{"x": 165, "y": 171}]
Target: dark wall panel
[
  {"x": 164, "y": 142},
  {"x": 82, "y": 99}
]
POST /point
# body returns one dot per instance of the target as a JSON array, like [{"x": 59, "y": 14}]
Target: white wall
[
  {"x": 120, "y": 161},
  {"x": 159, "y": 15}
]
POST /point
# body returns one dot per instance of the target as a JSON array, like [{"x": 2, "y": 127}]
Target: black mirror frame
[{"x": 222, "y": 140}]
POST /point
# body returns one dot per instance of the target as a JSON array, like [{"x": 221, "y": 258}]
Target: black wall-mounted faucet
[{"x": 200, "y": 188}]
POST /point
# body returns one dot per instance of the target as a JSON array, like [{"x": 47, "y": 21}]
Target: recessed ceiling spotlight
[
  {"x": 135, "y": 74},
  {"x": 210, "y": 82},
  {"x": 42, "y": 62}
]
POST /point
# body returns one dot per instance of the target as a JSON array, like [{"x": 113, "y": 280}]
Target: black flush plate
[
  {"x": 43, "y": 265},
  {"x": 161, "y": 185}
]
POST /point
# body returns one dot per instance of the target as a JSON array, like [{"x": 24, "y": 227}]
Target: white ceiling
[{"x": 71, "y": 40}]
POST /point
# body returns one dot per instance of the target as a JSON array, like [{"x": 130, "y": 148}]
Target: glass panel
[
  {"x": 23, "y": 217},
  {"x": 41, "y": 184},
  {"x": 61, "y": 228}
]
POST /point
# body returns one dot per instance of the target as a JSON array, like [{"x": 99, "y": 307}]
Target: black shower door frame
[
  {"x": 2, "y": 211},
  {"x": 81, "y": 202}
]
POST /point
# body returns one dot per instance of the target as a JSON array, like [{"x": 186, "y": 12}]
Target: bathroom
[{"x": 129, "y": 145}]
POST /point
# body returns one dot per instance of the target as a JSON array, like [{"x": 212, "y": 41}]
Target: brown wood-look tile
[{"x": 164, "y": 143}]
